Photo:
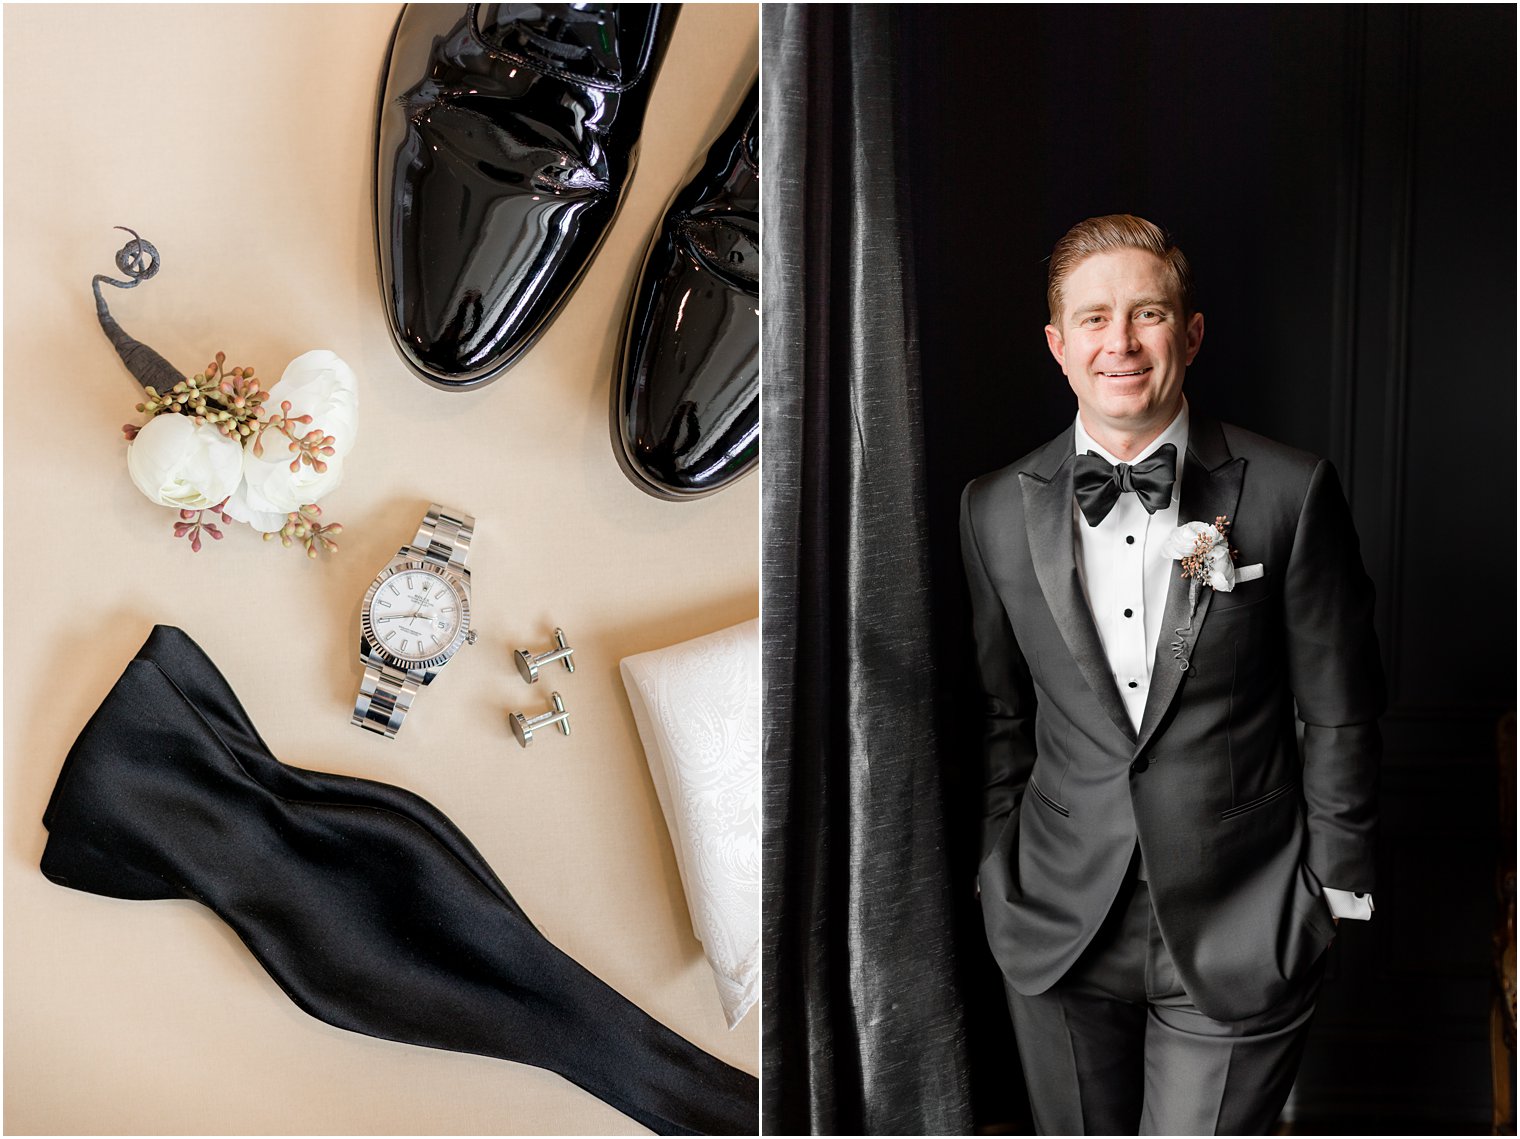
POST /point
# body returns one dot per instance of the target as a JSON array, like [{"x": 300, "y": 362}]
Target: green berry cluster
[
  {"x": 231, "y": 401},
  {"x": 302, "y": 526}
]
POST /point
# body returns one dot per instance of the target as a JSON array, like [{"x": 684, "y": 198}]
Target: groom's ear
[
  {"x": 1057, "y": 344},
  {"x": 1194, "y": 335}
]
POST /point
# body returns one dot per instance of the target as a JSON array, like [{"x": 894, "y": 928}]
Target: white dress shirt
[
  {"x": 1126, "y": 577},
  {"x": 1124, "y": 572}
]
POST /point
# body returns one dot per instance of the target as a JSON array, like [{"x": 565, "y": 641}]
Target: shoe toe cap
[
  {"x": 687, "y": 420},
  {"x": 483, "y": 241}
]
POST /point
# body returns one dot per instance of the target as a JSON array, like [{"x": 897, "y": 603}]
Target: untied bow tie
[{"x": 1099, "y": 485}]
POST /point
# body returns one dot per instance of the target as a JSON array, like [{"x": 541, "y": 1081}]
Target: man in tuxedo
[{"x": 1164, "y": 858}]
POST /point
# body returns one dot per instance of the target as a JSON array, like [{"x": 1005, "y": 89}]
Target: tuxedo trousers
[{"x": 1116, "y": 1047}]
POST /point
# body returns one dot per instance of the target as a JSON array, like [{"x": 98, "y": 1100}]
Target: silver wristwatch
[{"x": 415, "y": 616}]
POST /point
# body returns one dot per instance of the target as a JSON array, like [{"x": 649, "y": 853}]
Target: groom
[{"x": 1164, "y": 858}]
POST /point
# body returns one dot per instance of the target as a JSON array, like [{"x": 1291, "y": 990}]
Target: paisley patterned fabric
[{"x": 697, "y": 706}]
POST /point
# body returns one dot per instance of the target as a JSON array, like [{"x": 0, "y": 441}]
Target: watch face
[{"x": 415, "y": 614}]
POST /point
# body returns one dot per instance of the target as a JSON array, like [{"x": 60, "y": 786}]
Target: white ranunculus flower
[
  {"x": 264, "y": 521},
  {"x": 271, "y": 487},
  {"x": 1183, "y": 542},
  {"x": 1221, "y": 569},
  {"x": 319, "y": 384},
  {"x": 177, "y": 463}
]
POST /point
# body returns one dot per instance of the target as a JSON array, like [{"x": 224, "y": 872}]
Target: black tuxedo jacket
[{"x": 1238, "y": 823}]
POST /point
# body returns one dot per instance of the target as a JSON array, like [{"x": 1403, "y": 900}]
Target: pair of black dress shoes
[{"x": 507, "y": 135}]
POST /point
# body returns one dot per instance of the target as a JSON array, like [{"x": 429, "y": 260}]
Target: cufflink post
[
  {"x": 523, "y": 728},
  {"x": 528, "y": 664}
]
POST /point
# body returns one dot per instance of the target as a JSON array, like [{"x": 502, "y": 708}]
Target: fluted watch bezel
[{"x": 458, "y": 583}]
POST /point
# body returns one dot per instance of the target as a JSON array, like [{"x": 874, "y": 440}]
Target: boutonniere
[
  {"x": 1207, "y": 560},
  {"x": 221, "y": 445}
]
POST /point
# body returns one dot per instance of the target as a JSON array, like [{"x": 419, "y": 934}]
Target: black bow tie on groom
[{"x": 1099, "y": 485}]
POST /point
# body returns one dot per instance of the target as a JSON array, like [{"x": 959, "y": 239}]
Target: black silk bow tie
[
  {"x": 366, "y": 905},
  {"x": 1098, "y": 485}
]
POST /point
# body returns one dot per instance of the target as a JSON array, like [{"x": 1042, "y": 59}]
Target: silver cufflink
[
  {"x": 523, "y": 728},
  {"x": 528, "y": 664}
]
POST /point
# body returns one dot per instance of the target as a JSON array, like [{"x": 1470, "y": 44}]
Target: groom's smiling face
[{"x": 1124, "y": 343}]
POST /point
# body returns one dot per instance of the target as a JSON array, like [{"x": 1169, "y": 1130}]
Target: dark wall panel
[{"x": 1462, "y": 364}]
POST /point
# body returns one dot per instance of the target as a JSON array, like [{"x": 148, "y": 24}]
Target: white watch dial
[{"x": 415, "y": 614}]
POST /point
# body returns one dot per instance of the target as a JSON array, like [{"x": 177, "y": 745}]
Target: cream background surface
[{"x": 238, "y": 140}]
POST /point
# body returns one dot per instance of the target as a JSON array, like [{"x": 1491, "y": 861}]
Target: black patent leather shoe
[
  {"x": 686, "y": 399},
  {"x": 506, "y": 137}
]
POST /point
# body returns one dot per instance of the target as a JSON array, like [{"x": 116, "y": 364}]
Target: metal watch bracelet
[
  {"x": 386, "y": 693},
  {"x": 444, "y": 536}
]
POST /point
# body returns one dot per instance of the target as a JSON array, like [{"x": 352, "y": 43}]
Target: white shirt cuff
[{"x": 1345, "y": 904}]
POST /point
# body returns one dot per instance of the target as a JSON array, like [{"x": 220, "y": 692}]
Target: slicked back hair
[{"x": 1105, "y": 235}]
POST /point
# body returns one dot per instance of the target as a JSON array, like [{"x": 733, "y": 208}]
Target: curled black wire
[{"x": 139, "y": 261}]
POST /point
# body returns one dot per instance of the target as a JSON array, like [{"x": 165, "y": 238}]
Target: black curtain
[{"x": 863, "y": 1028}]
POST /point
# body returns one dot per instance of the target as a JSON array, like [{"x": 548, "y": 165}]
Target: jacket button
[{"x": 1140, "y": 764}]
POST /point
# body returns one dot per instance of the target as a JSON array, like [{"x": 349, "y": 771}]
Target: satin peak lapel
[
  {"x": 1048, "y": 519},
  {"x": 1211, "y": 483}
]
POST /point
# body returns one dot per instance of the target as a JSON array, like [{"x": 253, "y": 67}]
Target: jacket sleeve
[
  {"x": 1008, "y": 696},
  {"x": 1336, "y": 675}
]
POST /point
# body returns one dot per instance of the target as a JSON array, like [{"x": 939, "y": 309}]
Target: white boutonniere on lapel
[{"x": 1207, "y": 560}]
